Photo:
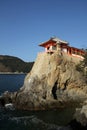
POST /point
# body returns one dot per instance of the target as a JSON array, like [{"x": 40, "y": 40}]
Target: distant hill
[{"x": 14, "y": 64}]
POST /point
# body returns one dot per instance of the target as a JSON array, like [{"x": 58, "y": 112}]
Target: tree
[{"x": 82, "y": 66}]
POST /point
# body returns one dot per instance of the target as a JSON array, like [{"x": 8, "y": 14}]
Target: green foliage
[
  {"x": 83, "y": 65},
  {"x": 16, "y": 64},
  {"x": 79, "y": 67},
  {"x": 85, "y": 60}
]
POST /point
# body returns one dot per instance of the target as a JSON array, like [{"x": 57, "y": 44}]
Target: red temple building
[{"x": 55, "y": 44}]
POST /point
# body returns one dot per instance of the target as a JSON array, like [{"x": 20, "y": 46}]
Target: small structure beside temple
[{"x": 55, "y": 44}]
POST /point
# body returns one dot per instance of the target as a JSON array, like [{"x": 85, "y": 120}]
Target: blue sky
[{"x": 26, "y": 23}]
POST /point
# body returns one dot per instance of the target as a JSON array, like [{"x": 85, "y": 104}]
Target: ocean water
[
  {"x": 11, "y": 82},
  {"x": 11, "y": 119}
]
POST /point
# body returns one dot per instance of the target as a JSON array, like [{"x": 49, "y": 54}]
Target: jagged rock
[
  {"x": 53, "y": 78},
  {"x": 81, "y": 114},
  {"x": 5, "y": 98},
  {"x": 80, "y": 117}
]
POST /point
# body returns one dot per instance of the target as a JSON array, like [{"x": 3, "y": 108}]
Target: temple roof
[{"x": 55, "y": 40}]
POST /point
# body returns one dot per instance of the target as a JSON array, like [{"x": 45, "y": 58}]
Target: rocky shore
[{"x": 52, "y": 83}]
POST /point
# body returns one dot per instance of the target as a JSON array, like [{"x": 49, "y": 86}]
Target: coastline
[{"x": 12, "y": 73}]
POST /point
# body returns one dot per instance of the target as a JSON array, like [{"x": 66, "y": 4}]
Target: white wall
[{"x": 64, "y": 50}]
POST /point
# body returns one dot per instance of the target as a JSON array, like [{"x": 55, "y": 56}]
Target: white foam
[
  {"x": 33, "y": 120},
  {"x": 9, "y": 106}
]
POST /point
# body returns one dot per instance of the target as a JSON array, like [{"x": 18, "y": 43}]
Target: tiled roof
[{"x": 59, "y": 40}]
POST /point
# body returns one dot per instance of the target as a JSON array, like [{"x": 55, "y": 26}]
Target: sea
[{"x": 11, "y": 119}]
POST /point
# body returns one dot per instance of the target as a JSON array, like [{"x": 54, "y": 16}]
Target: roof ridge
[{"x": 58, "y": 40}]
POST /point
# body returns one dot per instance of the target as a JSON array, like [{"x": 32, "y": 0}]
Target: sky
[{"x": 26, "y": 23}]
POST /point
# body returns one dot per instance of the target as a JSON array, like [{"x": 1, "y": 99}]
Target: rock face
[
  {"x": 52, "y": 82},
  {"x": 81, "y": 114}
]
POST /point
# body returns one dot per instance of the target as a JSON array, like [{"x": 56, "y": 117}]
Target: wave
[
  {"x": 15, "y": 121},
  {"x": 37, "y": 124}
]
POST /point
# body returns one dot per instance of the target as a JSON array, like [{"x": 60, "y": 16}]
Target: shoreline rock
[
  {"x": 53, "y": 77},
  {"x": 52, "y": 82}
]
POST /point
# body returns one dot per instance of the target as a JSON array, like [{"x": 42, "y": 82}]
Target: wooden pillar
[
  {"x": 76, "y": 52},
  {"x": 71, "y": 51}
]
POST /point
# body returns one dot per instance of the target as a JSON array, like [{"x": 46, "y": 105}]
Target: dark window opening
[{"x": 48, "y": 48}]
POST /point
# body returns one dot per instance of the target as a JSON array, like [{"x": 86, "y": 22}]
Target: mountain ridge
[{"x": 14, "y": 64}]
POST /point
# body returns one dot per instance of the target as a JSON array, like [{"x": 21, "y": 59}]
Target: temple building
[{"x": 55, "y": 44}]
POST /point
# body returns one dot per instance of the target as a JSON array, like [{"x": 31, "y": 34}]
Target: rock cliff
[{"x": 52, "y": 83}]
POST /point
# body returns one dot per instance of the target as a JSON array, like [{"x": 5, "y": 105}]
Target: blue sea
[{"x": 30, "y": 120}]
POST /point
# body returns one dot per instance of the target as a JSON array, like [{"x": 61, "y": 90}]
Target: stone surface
[
  {"x": 52, "y": 82},
  {"x": 81, "y": 114}
]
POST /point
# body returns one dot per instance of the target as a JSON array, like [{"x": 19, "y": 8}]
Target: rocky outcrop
[
  {"x": 81, "y": 114},
  {"x": 53, "y": 82}
]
